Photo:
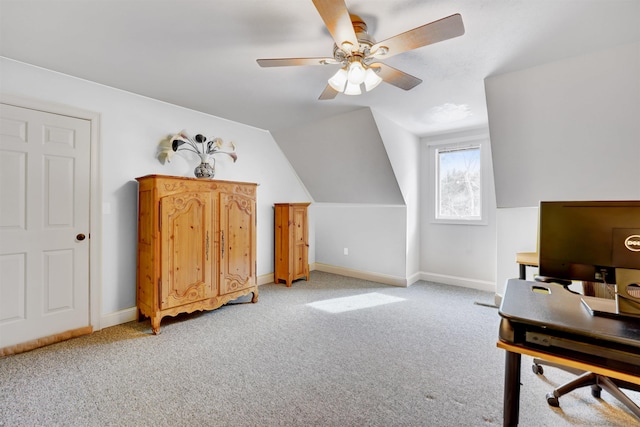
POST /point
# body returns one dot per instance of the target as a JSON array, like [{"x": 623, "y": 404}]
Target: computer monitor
[{"x": 592, "y": 241}]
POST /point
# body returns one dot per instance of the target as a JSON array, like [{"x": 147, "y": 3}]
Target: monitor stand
[
  {"x": 628, "y": 291},
  {"x": 627, "y": 302}
]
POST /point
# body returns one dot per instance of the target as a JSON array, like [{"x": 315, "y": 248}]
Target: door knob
[{"x": 80, "y": 236}]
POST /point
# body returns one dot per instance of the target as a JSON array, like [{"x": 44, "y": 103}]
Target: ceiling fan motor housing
[{"x": 365, "y": 41}]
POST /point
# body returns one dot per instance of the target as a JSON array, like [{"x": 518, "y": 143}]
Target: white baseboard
[
  {"x": 118, "y": 317},
  {"x": 265, "y": 279},
  {"x": 464, "y": 282},
  {"x": 413, "y": 279},
  {"x": 359, "y": 274}
]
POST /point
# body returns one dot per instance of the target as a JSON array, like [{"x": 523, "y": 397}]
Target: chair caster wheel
[
  {"x": 595, "y": 392},
  {"x": 537, "y": 369},
  {"x": 552, "y": 400}
]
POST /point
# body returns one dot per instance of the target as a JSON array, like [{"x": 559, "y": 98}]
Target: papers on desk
[
  {"x": 600, "y": 306},
  {"x": 604, "y": 307}
]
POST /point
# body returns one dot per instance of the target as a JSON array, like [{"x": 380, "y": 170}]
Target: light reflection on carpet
[{"x": 356, "y": 302}]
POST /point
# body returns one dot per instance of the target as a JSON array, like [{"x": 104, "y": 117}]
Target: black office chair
[{"x": 596, "y": 381}]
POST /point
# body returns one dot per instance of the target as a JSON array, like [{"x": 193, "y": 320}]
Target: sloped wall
[
  {"x": 342, "y": 159},
  {"x": 567, "y": 130}
]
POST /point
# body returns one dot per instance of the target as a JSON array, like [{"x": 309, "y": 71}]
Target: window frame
[{"x": 452, "y": 144}]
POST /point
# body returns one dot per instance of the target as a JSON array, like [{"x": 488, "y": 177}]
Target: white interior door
[{"x": 44, "y": 224}]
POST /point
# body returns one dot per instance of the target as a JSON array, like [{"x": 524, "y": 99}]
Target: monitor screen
[{"x": 588, "y": 240}]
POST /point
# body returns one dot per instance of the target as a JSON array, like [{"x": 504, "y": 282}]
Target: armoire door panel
[
  {"x": 300, "y": 262},
  {"x": 237, "y": 257},
  {"x": 186, "y": 240}
]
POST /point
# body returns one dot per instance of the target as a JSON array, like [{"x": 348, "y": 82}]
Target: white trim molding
[
  {"x": 359, "y": 274},
  {"x": 119, "y": 317},
  {"x": 265, "y": 279},
  {"x": 482, "y": 285}
]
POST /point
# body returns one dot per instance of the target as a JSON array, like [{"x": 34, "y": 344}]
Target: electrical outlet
[{"x": 346, "y": 251}]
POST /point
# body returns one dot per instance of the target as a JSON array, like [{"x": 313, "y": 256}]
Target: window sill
[{"x": 459, "y": 221}]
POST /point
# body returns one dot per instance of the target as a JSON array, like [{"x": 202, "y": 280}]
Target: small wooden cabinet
[
  {"x": 291, "y": 242},
  {"x": 196, "y": 245}
]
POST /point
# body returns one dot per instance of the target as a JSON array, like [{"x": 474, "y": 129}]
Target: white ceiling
[{"x": 201, "y": 54}]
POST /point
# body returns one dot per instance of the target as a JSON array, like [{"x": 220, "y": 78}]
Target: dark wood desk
[{"x": 546, "y": 321}]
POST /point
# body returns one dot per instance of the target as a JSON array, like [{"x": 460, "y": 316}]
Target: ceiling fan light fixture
[
  {"x": 352, "y": 89},
  {"x": 339, "y": 80},
  {"x": 356, "y": 73},
  {"x": 371, "y": 80}
]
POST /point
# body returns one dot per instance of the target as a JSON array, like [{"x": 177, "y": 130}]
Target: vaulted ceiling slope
[
  {"x": 202, "y": 54},
  {"x": 342, "y": 159}
]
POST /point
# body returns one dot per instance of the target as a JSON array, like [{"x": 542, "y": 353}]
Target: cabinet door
[
  {"x": 281, "y": 244},
  {"x": 237, "y": 242},
  {"x": 299, "y": 242},
  {"x": 186, "y": 248}
]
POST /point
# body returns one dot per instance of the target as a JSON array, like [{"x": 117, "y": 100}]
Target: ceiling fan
[{"x": 358, "y": 53}]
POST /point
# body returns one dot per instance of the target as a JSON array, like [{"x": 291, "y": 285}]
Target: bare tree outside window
[{"x": 458, "y": 194}]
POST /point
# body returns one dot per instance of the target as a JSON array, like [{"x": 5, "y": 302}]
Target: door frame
[{"x": 95, "y": 189}]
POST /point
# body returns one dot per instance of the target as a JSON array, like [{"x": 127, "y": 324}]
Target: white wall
[
  {"x": 131, "y": 128},
  {"x": 518, "y": 231},
  {"x": 458, "y": 254},
  {"x": 373, "y": 234},
  {"x": 567, "y": 130},
  {"x": 403, "y": 149}
]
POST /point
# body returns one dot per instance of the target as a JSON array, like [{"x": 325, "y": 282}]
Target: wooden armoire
[
  {"x": 196, "y": 245},
  {"x": 291, "y": 242}
]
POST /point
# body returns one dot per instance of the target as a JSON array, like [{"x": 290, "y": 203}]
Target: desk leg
[
  {"x": 523, "y": 272},
  {"x": 511, "y": 406}
]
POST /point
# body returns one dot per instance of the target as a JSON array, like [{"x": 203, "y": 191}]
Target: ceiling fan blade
[
  {"x": 328, "y": 93},
  {"x": 396, "y": 77},
  {"x": 286, "y": 62},
  {"x": 436, "y": 31},
  {"x": 336, "y": 17}
]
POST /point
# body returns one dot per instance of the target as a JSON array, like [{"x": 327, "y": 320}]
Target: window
[
  {"x": 458, "y": 183},
  {"x": 456, "y": 180}
]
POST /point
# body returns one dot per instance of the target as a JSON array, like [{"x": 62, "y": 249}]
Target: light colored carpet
[{"x": 424, "y": 357}]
